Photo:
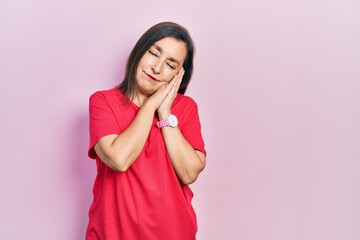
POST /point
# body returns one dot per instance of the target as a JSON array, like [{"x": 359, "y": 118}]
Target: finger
[
  {"x": 179, "y": 79},
  {"x": 180, "y": 74},
  {"x": 171, "y": 87},
  {"x": 174, "y": 84}
]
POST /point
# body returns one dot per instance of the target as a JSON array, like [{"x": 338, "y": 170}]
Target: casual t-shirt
[{"x": 148, "y": 201}]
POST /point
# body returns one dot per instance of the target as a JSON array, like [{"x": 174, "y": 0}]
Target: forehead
[{"x": 172, "y": 48}]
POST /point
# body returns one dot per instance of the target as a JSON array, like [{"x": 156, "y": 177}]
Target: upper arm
[
  {"x": 191, "y": 127},
  {"x": 103, "y": 149},
  {"x": 102, "y": 121}
]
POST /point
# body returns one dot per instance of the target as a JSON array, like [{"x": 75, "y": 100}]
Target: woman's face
[{"x": 160, "y": 63}]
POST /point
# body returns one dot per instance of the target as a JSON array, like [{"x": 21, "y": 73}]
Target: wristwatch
[{"x": 170, "y": 121}]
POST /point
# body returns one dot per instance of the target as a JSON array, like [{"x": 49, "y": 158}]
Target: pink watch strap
[{"x": 162, "y": 123}]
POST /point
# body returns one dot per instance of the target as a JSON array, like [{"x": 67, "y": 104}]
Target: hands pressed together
[{"x": 163, "y": 98}]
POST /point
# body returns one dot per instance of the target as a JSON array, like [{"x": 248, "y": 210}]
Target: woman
[{"x": 145, "y": 136}]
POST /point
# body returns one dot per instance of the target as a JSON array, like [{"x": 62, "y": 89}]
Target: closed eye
[
  {"x": 152, "y": 53},
  {"x": 172, "y": 67}
]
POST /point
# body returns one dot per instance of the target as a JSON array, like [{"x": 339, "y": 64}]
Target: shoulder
[
  {"x": 184, "y": 106},
  {"x": 106, "y": 95},
  {"x": 112, "y": 92},
  {"x": 184, "y": 101}
]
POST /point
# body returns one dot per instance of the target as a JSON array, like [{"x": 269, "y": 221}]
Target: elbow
[
  {"x": 119, "y": 164},
  {"x": 190, "y": 178},
  {"x": 120, "y": 168},
  {"x": 122, "y": 161},
  {"x": 114, "y": 159}
]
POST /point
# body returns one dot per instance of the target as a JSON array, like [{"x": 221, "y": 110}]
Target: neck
[{"x": 139, "y": 99}]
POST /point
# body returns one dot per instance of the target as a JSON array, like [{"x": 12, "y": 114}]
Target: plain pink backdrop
[{"x": 277, "y": 84}]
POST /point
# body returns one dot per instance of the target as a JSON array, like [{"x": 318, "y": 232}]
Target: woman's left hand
[{"x": 164, "y": 109}]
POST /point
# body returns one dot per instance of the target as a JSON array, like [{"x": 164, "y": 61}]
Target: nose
[{"x": 156, "y": 67}]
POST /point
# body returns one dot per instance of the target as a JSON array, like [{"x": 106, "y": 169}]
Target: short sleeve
[
  {"x": 102, "y": 120},
  {"x": 191, "y": 127}
]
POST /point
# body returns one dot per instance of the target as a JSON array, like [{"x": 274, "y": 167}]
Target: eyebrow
[{"x": 170, "y": 59}]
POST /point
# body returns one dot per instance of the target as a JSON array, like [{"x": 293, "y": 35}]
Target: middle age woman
[{"x": 146, "y": 138}]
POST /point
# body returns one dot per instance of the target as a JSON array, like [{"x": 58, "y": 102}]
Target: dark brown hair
[{"x": 154, "y": 34}]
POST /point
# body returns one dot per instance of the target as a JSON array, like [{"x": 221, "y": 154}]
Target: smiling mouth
[{"x": 151, "y": 77}]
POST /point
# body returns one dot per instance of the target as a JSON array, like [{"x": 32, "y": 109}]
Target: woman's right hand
[{"x": 158, "y": 97}]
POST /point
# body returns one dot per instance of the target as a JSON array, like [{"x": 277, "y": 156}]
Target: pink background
[{"x": 277, "y": 84}]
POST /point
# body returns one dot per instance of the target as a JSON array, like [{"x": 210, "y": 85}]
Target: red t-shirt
[{"x": 148, "y": 201}]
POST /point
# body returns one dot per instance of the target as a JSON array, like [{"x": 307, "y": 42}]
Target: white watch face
[{"x": 173, "y": 122}]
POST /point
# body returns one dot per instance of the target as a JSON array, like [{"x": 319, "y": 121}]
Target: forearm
[
  {"x": 187, "y": 162},
  {"x": 120, "y": 151}
]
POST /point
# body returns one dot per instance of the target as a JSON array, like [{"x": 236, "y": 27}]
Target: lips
[{"x": 151, "y": 77}]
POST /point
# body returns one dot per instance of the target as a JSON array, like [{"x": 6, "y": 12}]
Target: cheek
[
  {"x": 168, "y": 76},
  {"x": 137, "y": 73},
  {"x": 153, "y": 89}
]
